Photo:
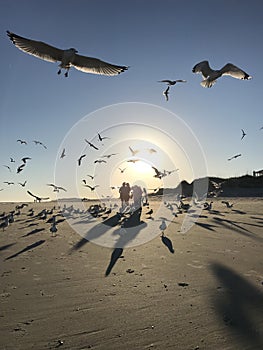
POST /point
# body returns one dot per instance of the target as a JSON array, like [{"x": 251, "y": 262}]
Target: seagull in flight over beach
[
  {"x": 122, "y": 170},
  {"x": 9, "y": 183},
  {"x": 166, "y": 93},
  {"x": 39, "y": 199},
  {"x": 39, "y": 143},
  {"x": 67, "y": 58},
  {"x": 25, "y": 159},
  {"x": 100, "y": 161},
  {"x": 57, "y": 188},
  {"x": 80, "y": 159},
  {"x": 92, "y": 188},
  {"x": 20, "y": 168},
  {"x": 243, "y": 134},
  {"x": 236, "y": 156},
  {"x": 23, "y": 142},
  {"x": 101, "y": 138},
  {"x": 22, "y": 184},
  {"x": 91, "y": 144},
  {"x": 210, "y": 75},
  {"x": 12, "y": 160},
  {"x": 171, "y": 82},
  {"x": 63, "y": 154},
  {"x": 133, "y": 151},
  {"x": 8, "y": 167}
]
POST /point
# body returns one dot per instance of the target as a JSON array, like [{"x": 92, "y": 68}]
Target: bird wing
[
  {"x": 96, "y": 66},
  {"x": 234, "y": 71},
  {"x": 36, "y": 48},
  {"x": 180, "y": 81},
  {"x": 203, "y": 68},
  {"x": 165, "y": 81}
]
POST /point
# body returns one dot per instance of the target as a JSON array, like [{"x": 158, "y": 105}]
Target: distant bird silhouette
[
  {"x": 133, "y": 152},
  {"x": 166, "y": 93},
  {"x": 8, "y": 167},
  {"x": 243, "y": 134},
  {"x": 235, "y": 156},
  {"x": 39, "y": 143},
  {"x": 68, "y": 58},
  {"x": 20, "y": 168},
  {"x": 100, "y": 161},
  {"x": 9, "y": 183},
  {"x": 12, "y": 160},
  {"x": 171, "y": 82},
  {"x": 109, "y": 155},
  {"x": 39, "y": 199},
  {"x": 92, "y": 188},
  {"x": 23, "y": 142},
  {"x": 151, "y": 150},
  {"x": 25, "y": 159},
  {"x": 101, "y": 138},
  {"x": 80, "y": 159},
  {"x": 22, "y": 184},
  {"x": 63, "y": 154},
  {"x": 210, "y": 76},
  {"x": 91, "y": 176},
  {"x": 133, "y": 160},
  {"x": 57, "y": 188},
  {"x": 122, "y": 170},
  {"x": 91, "y": 144}
]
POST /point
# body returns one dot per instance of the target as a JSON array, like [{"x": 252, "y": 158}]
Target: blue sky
[{"x": 159, "y": 39}]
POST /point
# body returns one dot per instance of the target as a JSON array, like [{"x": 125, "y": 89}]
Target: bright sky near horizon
[{"x": 197, "y": 130}]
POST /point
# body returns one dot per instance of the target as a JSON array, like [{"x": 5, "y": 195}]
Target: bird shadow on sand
[
  {"x": 168, "y": 243},
  {"x": 6, "y": 246},
  {"x": 239, "y": 306},
  {"x": 29, "y": 247},
  {"x": 206, "y": 226},
  {"x": 116, "y": 254},
  {"x": 232, "y": 225},
  {"x": 36, "y": 230}
]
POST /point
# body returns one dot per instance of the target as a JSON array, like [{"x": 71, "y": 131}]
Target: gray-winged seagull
[{"x": 68, "y": 58}]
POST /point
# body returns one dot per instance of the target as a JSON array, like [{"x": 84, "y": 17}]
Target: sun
[{"x": 142, "y": 167}]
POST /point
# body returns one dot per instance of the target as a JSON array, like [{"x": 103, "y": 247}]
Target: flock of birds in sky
[{"x": 70, "y": 58}]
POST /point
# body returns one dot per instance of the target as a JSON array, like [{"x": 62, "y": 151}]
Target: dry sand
[{"x": 205, "y": 295}]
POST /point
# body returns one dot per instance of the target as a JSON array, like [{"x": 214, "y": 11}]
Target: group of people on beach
[{"x": 135, "y": 193}]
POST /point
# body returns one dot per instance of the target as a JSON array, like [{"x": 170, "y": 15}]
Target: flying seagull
[
  {"x": 91, "y": 144},
  {"x": 39, "y": 199},
  {"x": 22, "y": 142},
  {"x": 63, "y": 154},
  {"x": 236, "y": 156},
  {"x": 67, "y": 58},
  {"x": 166, "y": 93},
  {"x": 57, "y": 188},
  {"x": 133, "y": 151},
  {"x": 12, "y": 160},
  {"x": 20, "y": 168},
  {"x": 22, "y": 184},
  {"x": 171, "y": 82},
  {"x": 8, "y": 167},
  {"x": 92, "y": 188},
  {"x": 122, "y": 170},
  {"x": 80, "y": 159},
  {"x": 210, "y": 75},
  {"x": 243, "y": 134},
  {"x": 101, "y": 138},
  {"x": 100, "y": 161},
  {"x": 158, "y": 174},
  {"x": 39, "y": 143},
  {"x": 9, "y": 183}
]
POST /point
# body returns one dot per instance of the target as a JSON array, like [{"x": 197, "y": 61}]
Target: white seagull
[
  {"x": 68, "y": 58},
  {"x": 210, "y": 75}
]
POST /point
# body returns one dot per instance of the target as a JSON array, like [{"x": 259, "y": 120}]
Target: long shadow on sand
[
  {"x": 97, "y": 231},
  {"x": 168, "y": 243},
  {"x": 206, "y": 226},
  {"x": 36, "y": 230},
  {"x": 29, "y": 247},
  {"x": 232, "y": 225},
  {"x": 239, "y": 306},
  {"x": 4, "y": 247},
  {"x": 134, "y": 225}
]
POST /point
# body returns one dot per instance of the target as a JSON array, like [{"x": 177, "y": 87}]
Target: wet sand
[{"x": 198, "y": 290}]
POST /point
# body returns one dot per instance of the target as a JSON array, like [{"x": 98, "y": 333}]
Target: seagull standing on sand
[
  {"x": 210, "y": 75},
  {"x": 67, "y": 58}
]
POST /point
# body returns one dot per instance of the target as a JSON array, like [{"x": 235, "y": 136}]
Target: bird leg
[{"x": 59, "y": 72}]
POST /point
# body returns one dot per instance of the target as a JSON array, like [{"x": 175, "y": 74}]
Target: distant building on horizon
[{"x": 258, "y": 173}]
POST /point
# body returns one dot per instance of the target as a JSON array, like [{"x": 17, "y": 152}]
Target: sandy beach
[{"x": 198, "y": 290}]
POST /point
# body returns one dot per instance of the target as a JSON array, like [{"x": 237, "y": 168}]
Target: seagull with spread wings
[
  {"x": 171, "y": 82},
  {"x": 57, "y": 188},
  {"x": 39, "y": 199},
  {"x": 101, "y": 138},
  {"x": 92, "y": 188},
  {"x": 166, "y": 93},
  {"x": 39, "y": 143},
  {"x": 210, "y": 75},
  {"x": 243, "y": 134},
  {"x": 91, "y": 145},
  {"x": 80, "y": 159},
  {"x": 23, "y": 142},
  {"x": 67, "y": 58},
  {"x": 63, "y": 154}
]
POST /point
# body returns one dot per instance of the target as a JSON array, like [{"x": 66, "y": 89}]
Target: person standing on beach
[
  {"x": 137, "y": 196},
  {"x": 124, "y": 194}
]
